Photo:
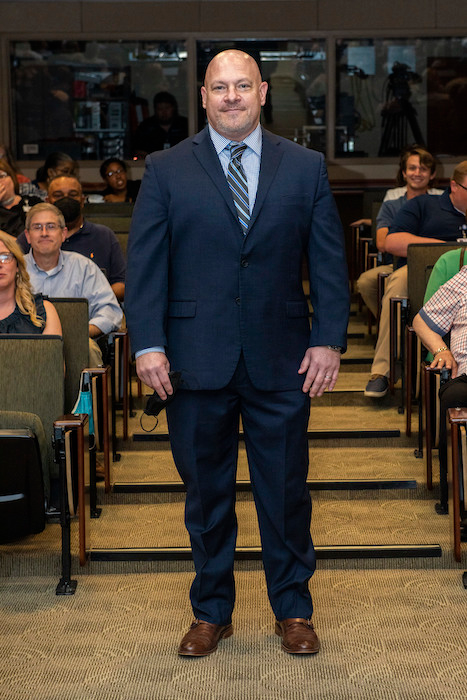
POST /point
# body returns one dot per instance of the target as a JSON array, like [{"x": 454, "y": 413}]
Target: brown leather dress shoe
[
  {"x": 298, "y": 636},
  {"x": 202, "y": 638}
]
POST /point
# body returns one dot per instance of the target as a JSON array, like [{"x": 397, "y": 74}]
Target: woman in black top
[{"x": 20, "y": 310}]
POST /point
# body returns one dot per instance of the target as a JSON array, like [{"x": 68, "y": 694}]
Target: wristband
[{"x": 442, "y": 349}]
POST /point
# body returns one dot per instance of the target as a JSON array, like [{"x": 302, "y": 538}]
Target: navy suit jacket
[{"x": 200, "y": 288}]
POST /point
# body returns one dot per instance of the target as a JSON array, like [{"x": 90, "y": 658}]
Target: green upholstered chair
[
  {"x": 32, "y": 381},
  {"x": 97, "y": 210},
  {"x": 74, "y": 317}
]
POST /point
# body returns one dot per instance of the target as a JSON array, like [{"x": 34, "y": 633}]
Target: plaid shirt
[{"x": 447, "y": 311}]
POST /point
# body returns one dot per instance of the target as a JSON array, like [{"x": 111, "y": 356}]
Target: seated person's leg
[
  {"x": 396, "y": 286},
  {"x": 95, "y": 354},
  {"x": 367, "y": 285}
]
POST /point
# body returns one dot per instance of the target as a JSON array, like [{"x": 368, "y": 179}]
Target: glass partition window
[
  {"x": 392, "y": 92},
  {"x": 296, "y": 73},
  {"x": 88, "y": 98}
]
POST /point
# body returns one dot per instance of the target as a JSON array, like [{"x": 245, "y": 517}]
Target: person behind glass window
[{"x": 164, "y": 129}]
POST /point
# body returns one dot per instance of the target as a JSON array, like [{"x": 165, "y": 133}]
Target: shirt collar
[
  {"x": 253, "y": 140},
  {"x": 51, "y": 272}
]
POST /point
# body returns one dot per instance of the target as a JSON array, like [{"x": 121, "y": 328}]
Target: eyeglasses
[
  {"x": 6, "y": 258},
  {"x": 3, "y": 175},
  {"x": 463, "y": 186},
  {"x": 45, "y": 227},
  {"x": 111, "y": 173}
]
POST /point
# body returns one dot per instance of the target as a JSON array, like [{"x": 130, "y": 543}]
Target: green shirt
[{"x": 445, "y": 267}]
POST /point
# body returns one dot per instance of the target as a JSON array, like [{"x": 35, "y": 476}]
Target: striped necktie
[{"x": 238, "y": 184}]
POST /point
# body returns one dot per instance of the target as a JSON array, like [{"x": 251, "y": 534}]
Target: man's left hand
[{"x": 321, "y": 368}]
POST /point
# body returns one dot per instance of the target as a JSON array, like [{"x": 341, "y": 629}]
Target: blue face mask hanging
[{"x": 84, "y": 401}]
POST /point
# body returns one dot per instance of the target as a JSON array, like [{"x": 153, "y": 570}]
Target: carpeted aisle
[
  {"x": 385, "y": 634},
  {"x": 391, "y": 629}
]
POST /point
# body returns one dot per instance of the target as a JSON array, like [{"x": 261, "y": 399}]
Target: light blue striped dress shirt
[{"x": 251, "y": 158}]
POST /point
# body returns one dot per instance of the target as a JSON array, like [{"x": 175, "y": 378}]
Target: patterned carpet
[
  {"x": 385, "y": 635},
  {"x": 391, "y": 629}
]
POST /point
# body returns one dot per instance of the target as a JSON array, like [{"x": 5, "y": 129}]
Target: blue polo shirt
[
  {"x": 97, "y": 242},
  {"x": 430, "y": 217}
]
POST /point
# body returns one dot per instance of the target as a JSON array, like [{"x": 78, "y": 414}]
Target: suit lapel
[
  {"x": 205, "y": 153},
  {"x": 271, "y": 156}
]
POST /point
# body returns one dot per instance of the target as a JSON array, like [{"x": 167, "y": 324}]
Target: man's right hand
[{"x": 153, "y": 369}]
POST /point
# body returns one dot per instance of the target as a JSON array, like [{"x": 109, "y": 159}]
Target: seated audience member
[
  {"x": 444, "y": 268},
  {"x": 6, "y": 154},
  {"x": 418, "y": 170},
  {"x": 56, "y": 163},
  {"x": 119, "y": 188},
  {"x": 57, "y": 273},
  {"x": 444, "y": 312},
  {"x": 20, "y": 310},
  {"x": 164, "y": 129},
  {"x": 13, "y": 206},
  {"x": 401, "y": 180},
  {"x": 423, "y": 219},
  {"x": 95, "y": 241}
]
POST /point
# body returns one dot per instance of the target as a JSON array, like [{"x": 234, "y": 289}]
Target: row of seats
[
  {"x": 420, "y": 384},
  {"x": 37, "y": 393},
  {"x": 45, "y": 449}
]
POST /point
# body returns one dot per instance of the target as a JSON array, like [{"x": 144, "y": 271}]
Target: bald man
[{"x": 214, "y": 290}]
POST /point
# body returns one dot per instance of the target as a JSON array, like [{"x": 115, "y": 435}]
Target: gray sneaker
[{"x": 377, "y": 387}]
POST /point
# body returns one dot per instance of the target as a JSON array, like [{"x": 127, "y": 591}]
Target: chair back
[
  {"x": 102, "y": 209},
  {"x": 118, "y": 224},
  {"x": 421, "y": 258},
  {"x": 74, "y": 317},
  {"x": 371, "y": 196},
  {"x": 31, "y": 377}
]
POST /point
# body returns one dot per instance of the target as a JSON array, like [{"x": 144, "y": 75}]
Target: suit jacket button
[
  {"x": 244, "y": 262},
  {"x": 237, "y": 301}
]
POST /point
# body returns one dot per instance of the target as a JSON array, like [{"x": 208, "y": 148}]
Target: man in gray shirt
[{"x": 56, "y": 273}]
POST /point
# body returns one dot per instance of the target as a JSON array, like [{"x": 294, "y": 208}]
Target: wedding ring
[{"x": 327, "y": 376}]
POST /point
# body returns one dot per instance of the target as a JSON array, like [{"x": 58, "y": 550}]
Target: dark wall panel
[
  {"x": 141, "y": 17},
  {"x": 300, "y": 15},
  {"x": 40, "y": 16},
  {"x": 451, "y": 14},
  {"x": 377, "y": 14}
]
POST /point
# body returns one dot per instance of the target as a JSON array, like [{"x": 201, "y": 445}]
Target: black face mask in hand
[
  {"x": 70, "y": 208},
  {"x": 155, "y": 404}
]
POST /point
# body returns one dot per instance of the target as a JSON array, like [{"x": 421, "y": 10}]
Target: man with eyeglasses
[
  {"x": 424, "y": 219},
  {"x": 57, "y": 273},
  {"x": 97, "y": 242}
]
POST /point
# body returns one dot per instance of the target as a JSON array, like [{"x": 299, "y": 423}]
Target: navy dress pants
[{"x": 203, "y": 428}]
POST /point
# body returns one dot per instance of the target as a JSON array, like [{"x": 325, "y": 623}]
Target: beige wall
[{"x": 219, "y": 18}]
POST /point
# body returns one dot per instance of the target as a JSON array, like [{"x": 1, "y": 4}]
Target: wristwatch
[{"x": 337, "y": 348}]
